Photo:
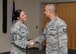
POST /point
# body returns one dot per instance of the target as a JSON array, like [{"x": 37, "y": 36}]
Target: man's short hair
[{"x": 51, "y": 7}]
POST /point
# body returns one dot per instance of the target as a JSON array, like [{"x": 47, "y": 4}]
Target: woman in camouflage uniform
[{"x": 19, "y": 33}]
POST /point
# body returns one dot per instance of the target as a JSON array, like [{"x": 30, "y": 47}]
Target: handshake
[{"x": 31, "y": 42}]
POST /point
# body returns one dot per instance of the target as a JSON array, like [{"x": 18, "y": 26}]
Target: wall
[
  {"x": 4, "y": 37},
  {"x": 32, "y": 8}
]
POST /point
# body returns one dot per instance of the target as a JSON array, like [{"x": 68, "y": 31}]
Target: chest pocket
[
  {"x": 22, "y": 30},
  {"x": 52, "y": 31}
]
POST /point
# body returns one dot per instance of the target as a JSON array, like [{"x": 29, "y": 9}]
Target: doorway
[{"x": 67, "y": 12}]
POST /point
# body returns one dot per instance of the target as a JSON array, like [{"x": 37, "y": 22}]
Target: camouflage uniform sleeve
[
  {"x": 62, "y": 37},
  {"x": 40, "y": 38},
  {"x": 19, "y": 39}
]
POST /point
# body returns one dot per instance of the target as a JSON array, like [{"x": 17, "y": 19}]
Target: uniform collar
[{"x": 21, "y": 24}]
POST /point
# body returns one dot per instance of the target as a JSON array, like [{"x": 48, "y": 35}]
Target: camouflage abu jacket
[
  {"x": 19, "y": 37},
  {"x": 55, "y": 34}
]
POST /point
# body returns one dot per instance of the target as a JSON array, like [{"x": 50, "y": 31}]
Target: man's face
[
  {"x": 46, "y": 12},
  {"x": 22, "y": 16}
]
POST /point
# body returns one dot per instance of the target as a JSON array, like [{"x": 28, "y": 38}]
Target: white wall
[
  {"x": 32, "y": 8},
  {"x": 4, "y": 37}
]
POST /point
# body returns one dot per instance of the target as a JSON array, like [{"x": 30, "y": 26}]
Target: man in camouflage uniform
[{"x": 55, "y": 33}]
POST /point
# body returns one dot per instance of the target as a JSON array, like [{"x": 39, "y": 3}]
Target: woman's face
[{"x": 22, "y": 16}]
